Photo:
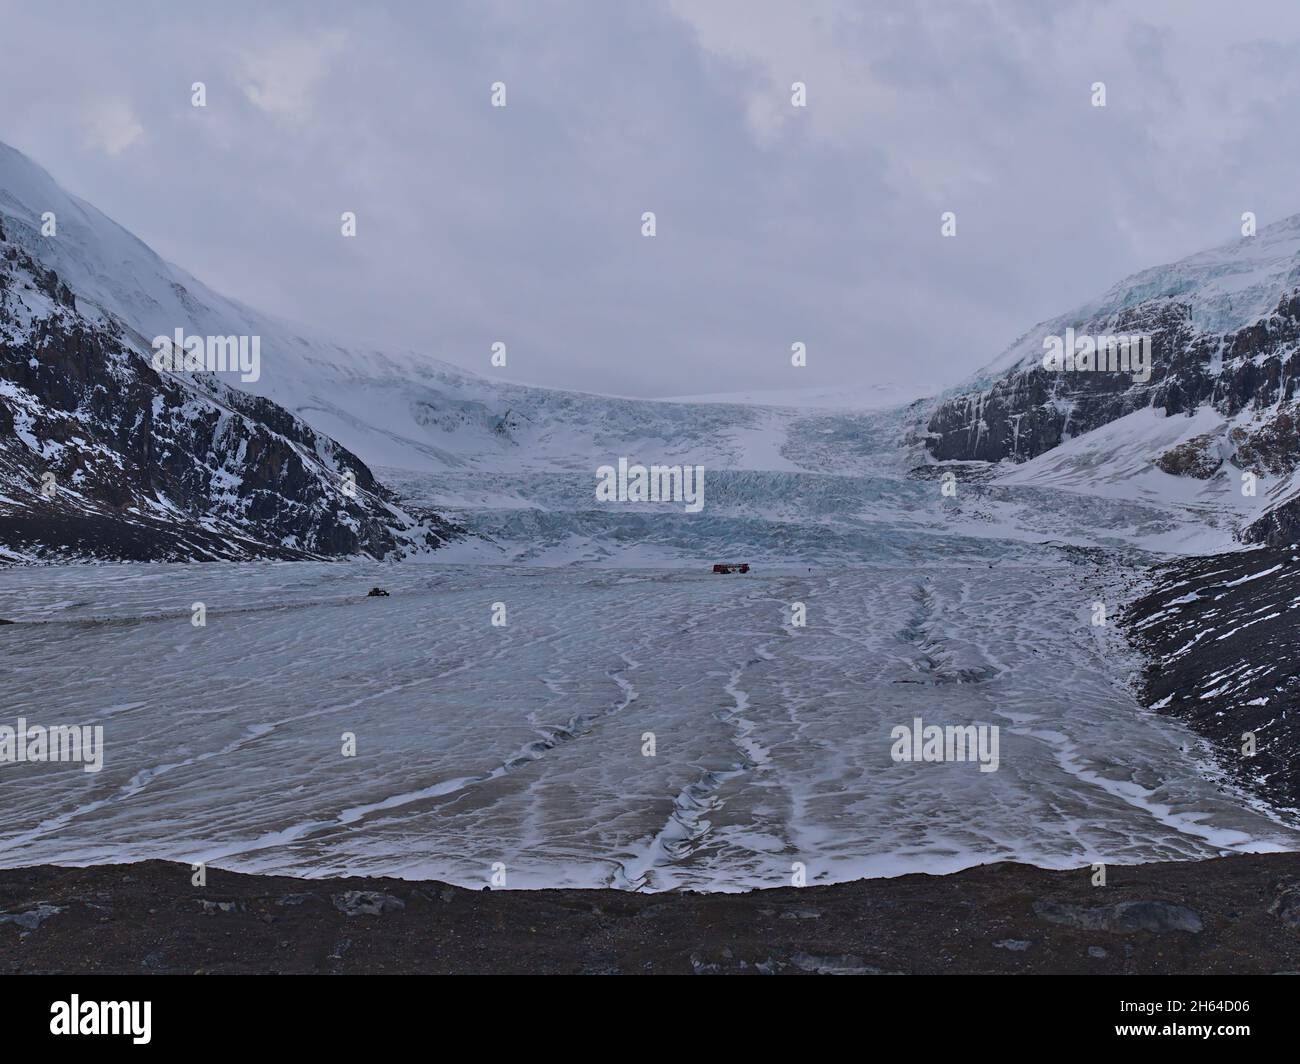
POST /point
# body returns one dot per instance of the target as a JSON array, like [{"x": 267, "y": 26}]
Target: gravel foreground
[{"x": 1237, "y": 914}]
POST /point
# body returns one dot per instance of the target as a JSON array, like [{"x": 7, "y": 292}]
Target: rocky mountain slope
[
  {"x": 103, "y": 456},
  {"x": 1225, "y": 334},
  {"x": 1220, "y": 636}
]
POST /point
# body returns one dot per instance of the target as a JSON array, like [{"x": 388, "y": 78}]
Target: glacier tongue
[{"x": 524, "y": 744}]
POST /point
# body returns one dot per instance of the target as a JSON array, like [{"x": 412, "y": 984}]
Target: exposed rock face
[
  {"x": 1031, "y": 409},
  {"x": 1195, "y": 458},
  {"x": 103, "y": 456},
  {"x": 1281, "y": 525}
]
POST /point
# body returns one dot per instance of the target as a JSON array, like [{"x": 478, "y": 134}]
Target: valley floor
[{"x": 1225, "y": 915}]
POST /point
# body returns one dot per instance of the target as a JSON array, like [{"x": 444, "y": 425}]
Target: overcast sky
[{"x": 775, "y": 224}]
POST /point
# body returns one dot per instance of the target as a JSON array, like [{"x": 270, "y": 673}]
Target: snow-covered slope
[
  {"x": 1224, "y": 289},
  {"x": 393, "y": 407}
]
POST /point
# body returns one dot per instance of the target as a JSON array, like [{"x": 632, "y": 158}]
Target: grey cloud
[{"x": 522, "y": 224}]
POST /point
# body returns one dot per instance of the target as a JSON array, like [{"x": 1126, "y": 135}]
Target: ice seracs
[{"x": 633, "y": 482}]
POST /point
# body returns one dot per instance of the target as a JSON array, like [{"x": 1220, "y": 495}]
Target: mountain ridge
[
  {"x": 1224, "y": 327},
  {"x": 103, "y": 456},
  {"x": 393, "y": 407}
]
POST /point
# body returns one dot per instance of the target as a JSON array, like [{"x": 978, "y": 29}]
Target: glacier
[{"x": 523, "y": 745}]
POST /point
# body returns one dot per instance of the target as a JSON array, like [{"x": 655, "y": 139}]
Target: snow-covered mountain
[
  {"x": 103, "y": 456},
  {"x": 1220, "y": 400},
  {"x": 398, "y": 408}
]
